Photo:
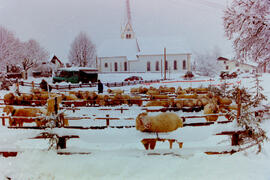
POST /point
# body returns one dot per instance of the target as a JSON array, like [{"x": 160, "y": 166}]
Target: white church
[{"x": 131, "y": 54}]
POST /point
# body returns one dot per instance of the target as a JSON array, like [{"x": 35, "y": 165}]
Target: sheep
[
  {"x": 224, "y": 101},
  {"x": 143, "y": 90},
  {"x": 71, "y": 97},
  {"x": 9, "y": 98},
  {"x": 152, "y": 92},
  {"x": 211, "y": 108},
  {"x": 166, "y": 89},
  {"x": 115, "y": 91},
  {"x": 187, "y": 96},
  {"x": 163, "y": 122},
  {"x": 102, "y": 100},
  {"x": 159, "y": 97},
  {"x": 159, "y": 103},
  {"x": 136, "y": 100},
  {"x": 25, "y": 112}
]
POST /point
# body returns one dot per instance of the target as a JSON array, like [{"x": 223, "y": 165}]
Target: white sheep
[{"x": 164, "y": 122}]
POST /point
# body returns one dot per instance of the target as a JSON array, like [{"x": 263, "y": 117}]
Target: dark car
[
  {"x": 134, "y": 78},
  {"x": 188, "y": 75},
  {"x": 228, "y": 75}
]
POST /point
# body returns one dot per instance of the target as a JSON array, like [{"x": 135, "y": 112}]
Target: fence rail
[{"x": 72, "y": 86}]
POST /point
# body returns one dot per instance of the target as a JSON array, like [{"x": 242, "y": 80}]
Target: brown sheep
[
  {"x": 71, "y": 97},
  {"x": 25, "y": 112},
  {"x": 153, "y": 92},
  {"x": 164, "y": 122},
  {"x": 102, "y": 100},
  {"x": 143, "y": 90},
  {"x": 136, "y": 100},
  {"x": 9, "y": 98},
  {"x": 211, "y": 108},
  {"x": 159, "y": 97},
  {"x": 115, "y": 91},
  {"x": 187, "y": 96},
  {"x": 159, "y": 103}
]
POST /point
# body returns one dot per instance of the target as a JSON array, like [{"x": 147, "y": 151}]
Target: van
[{"x": 76, "y": 75}]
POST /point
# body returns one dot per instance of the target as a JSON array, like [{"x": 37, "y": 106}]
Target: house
[
  {"x": 56, "y": 62},
  {"x": 233, "y": 65}
]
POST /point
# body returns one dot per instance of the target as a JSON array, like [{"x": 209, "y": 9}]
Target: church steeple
[{"x": 128, "y": 32}]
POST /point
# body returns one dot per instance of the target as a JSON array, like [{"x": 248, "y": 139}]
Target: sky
[{"x": 55, "y": 23}]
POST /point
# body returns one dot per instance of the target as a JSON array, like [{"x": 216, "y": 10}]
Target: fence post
[
  {"x": 33, "y": 84},
  {"x": 3, "y": 120},
  {"x": 107, "y": 120},
  {"x": 69, "y": 86}
]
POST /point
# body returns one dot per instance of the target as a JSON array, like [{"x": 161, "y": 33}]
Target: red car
[{"x": 134, "y": 78}]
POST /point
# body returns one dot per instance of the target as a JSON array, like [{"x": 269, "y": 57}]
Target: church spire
[{"x": 128, "y": 32}]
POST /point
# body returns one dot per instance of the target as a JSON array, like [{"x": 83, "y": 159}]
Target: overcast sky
[{"x": 55, "y": 23}]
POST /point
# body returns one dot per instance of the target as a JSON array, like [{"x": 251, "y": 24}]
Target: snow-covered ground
[{"x": 118, "y": 153}]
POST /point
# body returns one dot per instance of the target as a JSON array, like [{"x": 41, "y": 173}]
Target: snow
[
  {"x": 118, "y": 153},
  {"x": 131, "y": 48}
]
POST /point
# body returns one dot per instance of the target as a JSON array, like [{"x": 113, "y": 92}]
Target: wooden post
[
  {"x": 238, "y": 105},
  {"x": 3, "y": 120},
  {"x": 235, "y": 139},
  {"x": 107, "y": 120},
  {"x": 165, "y": 64},
  {"x": 62, "y": 143},
  {"x": 33, "y": 84}
]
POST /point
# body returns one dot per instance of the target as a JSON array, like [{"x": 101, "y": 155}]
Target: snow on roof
[
  {"x": 173, "y": 45},
  {"x": 79, "y": 68},
  {"x": 119, "y": 47},
  {"x": 141, "y": 46}
]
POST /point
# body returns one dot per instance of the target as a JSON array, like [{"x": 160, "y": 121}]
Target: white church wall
[{"x": 112, "y": 64}]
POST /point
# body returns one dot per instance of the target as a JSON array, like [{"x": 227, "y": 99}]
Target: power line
[{"x": 207, "y": 3}]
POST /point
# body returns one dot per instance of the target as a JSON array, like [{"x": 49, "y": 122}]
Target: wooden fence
[{"x": 72, "y": 86}]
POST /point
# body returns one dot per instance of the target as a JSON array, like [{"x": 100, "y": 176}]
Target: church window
[
  {"x": 184, "y": 64},
  {"x": 148, "y": 66},
  {"x": 125, "y": 66},
  {"x": 115, "y": 66},
  {"x": 106, "y": 65},
  {"x": 175, "y": 65},
  {"x": 157, "y": 66}
]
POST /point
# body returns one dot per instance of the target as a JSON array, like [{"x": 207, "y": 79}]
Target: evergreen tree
[{"x": 246, "y": 116}]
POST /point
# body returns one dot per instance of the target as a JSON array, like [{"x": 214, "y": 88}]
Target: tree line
[{"x": 29, "y": 54}]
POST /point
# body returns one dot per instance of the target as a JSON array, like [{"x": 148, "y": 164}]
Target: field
[{"x": 116, "y": 152}]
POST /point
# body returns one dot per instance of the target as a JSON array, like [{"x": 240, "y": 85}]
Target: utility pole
[
  {"x": 161, "y": 68},
  {"x": 165, "y": 62}
]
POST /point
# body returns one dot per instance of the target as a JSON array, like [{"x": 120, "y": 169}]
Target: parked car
[
  {"x": 188, "y": 75},
  {"x": 228, "y": 75},
  {"x": 134, "y": 78}
]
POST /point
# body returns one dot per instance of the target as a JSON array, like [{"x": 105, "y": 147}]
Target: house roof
[
  {"x": 222, "y": 59},
  {"x": 54, "y": 59}
]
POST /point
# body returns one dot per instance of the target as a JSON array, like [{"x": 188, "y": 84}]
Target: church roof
[
  {"x": 152, "y": 46},
  {"x": 141, "y": 46},
  {"x": 119, "y": 47}
]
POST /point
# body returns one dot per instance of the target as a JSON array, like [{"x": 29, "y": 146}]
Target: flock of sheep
[{"x": 179, "y": 98}]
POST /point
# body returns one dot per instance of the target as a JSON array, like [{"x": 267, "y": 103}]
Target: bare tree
[
  {"x": 83, "y": 51},
  {"x": 9, "y": 46},
  {"x": 206, "y": 63},
  {"x": 31, "y": 53},
  {"x": 246, "y": 22}
]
